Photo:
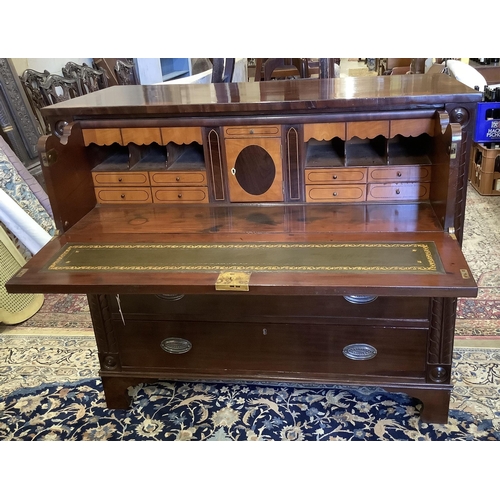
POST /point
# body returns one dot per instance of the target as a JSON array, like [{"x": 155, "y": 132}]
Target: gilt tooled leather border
[{"x": 421, "y": 257}]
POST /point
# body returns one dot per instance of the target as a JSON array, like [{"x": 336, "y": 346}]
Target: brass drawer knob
[
  {"x": 179, "y": 195},
  {"x": 334, "y": 177},
  {"x": 122, "y": 196},
  {"x": 399, "y": 174},
  {"x": 177, "y": 179},
  {"x": 119, "y": 179},
  {"x": 398, "y": 191},
  {"x": 335, "y": 193}
]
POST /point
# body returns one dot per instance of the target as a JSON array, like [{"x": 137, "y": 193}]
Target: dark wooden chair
[
  {"x": 279, "y": 69},
  {"x": 57, "y": 88},
  {"x": 31, "y": 81},
  {"x": 386, "y": 65},
  {"x": 326, "y": 67},
  {"x": 222, "y": 70},
  {"x": 73, "y": 71},
  {"x": 125, "y": 72},
  {"x": 93, "y": 79}
]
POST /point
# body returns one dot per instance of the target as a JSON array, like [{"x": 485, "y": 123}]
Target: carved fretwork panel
[
  {"x": 17, "y": 121},
  {"x": 440, "y": 343},
  {"x": 462, "y": 187},
  {"x": 464, "y": 115},
  {"x": 100, "y": 313}
]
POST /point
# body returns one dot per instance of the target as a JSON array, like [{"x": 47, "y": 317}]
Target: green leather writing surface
[{"x": 421, "y": 257}]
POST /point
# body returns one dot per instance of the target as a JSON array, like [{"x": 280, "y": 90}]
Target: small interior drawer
[
  {"x": 398, "y": 174},
  {"x": 337, "y": 193},
  {"x": 253, "y": 131},
  {"x": 178, "y": 178},
  {"x": 120, "y": 178},
  {"x": 335, "y": 175},
  {"x": 403, "y": 191},
  {"x": 123, "y": 195},
  {"x": 180, "y": 195}
]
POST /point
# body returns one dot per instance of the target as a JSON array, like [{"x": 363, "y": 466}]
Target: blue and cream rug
[{"x": 49, "y": 390}]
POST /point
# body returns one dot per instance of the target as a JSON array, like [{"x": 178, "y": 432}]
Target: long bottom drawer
[{"x": 214, "y": 348}]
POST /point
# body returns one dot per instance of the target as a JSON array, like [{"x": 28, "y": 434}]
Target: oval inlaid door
[{"x": 255, "y": 170}]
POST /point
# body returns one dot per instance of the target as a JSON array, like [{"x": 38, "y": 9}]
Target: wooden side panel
[{"x": 67, "y": 171}]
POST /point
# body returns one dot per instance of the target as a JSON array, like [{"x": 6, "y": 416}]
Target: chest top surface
[{"x": 298, "y": 96}]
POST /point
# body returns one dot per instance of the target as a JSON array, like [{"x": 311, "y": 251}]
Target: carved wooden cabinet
[{"x": 300, "y": 231}]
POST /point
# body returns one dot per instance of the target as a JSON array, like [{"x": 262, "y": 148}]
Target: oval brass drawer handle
[
  {"x": 176, "y": 345},
  {"x": 360, "y": 299},
  {"x": 359, "y": 352}
]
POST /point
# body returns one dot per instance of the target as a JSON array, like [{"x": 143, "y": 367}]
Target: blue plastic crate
[{"x": 487, "y": 122}]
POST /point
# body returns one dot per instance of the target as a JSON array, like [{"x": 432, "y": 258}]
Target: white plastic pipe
[{"x": 29, "y": 232}]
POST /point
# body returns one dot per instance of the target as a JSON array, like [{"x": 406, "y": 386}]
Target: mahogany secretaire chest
[{"x": 301, "y": 230}]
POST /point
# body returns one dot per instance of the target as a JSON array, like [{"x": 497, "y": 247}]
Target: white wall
[{"x": 52, "y": 65}]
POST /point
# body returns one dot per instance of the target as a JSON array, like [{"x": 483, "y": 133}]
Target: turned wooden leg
[
  {"x": 116, "y": 391},
  {"x": 436, "y": 404}
]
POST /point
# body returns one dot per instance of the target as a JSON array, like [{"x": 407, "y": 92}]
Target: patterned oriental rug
[{"x": 50, "y": 389}]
